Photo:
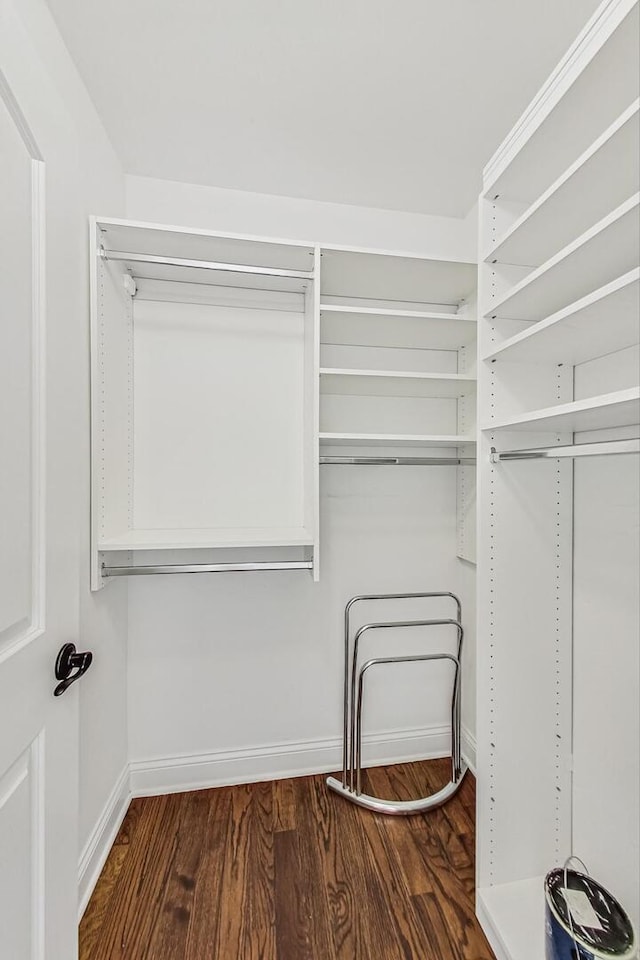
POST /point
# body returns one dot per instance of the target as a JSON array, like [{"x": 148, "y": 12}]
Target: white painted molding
[
  {"x": 469, "y": 749},
  {"x": 278, "y": 761},
  {"x": 597, "y": 31},
  {"x": 99, "y": 844},
  {"x": 145, "y": 778}
]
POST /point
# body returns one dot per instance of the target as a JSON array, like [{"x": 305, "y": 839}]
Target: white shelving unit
[
  {"x": 204, "y": 396},
  {"x": 559, "y": 336},
  {"x": 618, "y": 409},
  {"x": 577, "y": 333},
  {"x": 397, "y": 355},
  {"x": 218, "y": 373},
  {"x": 579, "y": 198},
  {"x": 579, "y": 268},
  {"x": 395, "y": 440},
  {"x": 397, "y": 383}
]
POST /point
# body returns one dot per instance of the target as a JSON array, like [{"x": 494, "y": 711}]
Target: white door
[{"x": 38, "y": 586}]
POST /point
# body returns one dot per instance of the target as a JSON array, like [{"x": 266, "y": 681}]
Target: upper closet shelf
[
  {"x": 395, "y": 383},
  {"x": 393, "y": 440},
  {"x": 442, "y": 331},
  {"x": 618, "y": 409},
  {"x": 603, "y": 322},
  {"x": 348, "y": 274},
  {"x": 601, "y": 179},
  {"x": 170, "y": 539},
  {"x": 590, "y": 87},
  {"x": 606, "y": 250}
]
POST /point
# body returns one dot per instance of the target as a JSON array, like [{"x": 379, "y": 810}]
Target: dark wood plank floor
[{"x": 288, "y": 871}]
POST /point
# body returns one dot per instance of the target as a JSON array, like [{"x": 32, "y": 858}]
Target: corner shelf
[
  {"x": 590, "y": 261},
  {"x": 212, "y": 538},
  {"x": 599, "y": 180},
  {"x": 618, "y": 409},
  {"x": 395, "y": 383},
  {"x": 604, "y": 321},
  {"x": 393, "y": 440}
]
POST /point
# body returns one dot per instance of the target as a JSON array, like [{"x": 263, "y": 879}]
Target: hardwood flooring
[{"x": 289, "y": 871}]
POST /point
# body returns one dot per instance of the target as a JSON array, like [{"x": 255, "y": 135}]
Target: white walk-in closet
[{"x": 319, "y": 482}]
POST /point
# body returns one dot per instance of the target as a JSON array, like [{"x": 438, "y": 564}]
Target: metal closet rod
[
  {"x": 402, "y": 461},
  {"x": 599, "y": 448},
  {"x": 147, "y": 570},
  {"x": 206, "y": 265}
]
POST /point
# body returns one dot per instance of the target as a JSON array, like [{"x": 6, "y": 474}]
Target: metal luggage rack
[{"x": 350, "y": 787}]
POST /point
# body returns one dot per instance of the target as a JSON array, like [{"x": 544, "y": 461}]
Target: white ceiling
[{"x": 385, "y": 103}]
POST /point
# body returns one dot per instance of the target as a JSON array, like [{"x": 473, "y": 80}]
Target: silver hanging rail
[
  {"x": 600, "y": 448},
  {"x": 148, "y": 570},
  {"x": 402, "y": 461},
  {"x": 206, "y": 265}
]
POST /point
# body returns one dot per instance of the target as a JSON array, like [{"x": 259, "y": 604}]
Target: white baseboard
[
  {"x": 277, "y": 761},
  {"x": 99, "y": 844},
  {"x": 145, "y": 778},
  {"x": 469, "y": 749}
]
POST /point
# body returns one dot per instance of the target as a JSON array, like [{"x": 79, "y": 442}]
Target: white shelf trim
[
  {"x": 620, "y": 408},
  {"x": 339, "y": 380},
  {"x": 543, "y": 272},
  {"x": 405, "y": 439},
  {"x": 566, "y": 320},
  {"x": 213, "y": 538},
  {"x": 526, "y": 223},
  {"x": 391, "y": 312},
  {"x": 589, "y": 42}
]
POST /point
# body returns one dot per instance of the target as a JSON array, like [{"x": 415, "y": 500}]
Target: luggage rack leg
[{"x": 350, "y": 787}]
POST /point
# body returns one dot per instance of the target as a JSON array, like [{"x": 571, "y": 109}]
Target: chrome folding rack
[{"x": 350, "y": 787}]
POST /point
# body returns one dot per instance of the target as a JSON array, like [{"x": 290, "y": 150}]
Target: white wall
[
  {"x": 82, "y": 175},
  {"x": 239, "y": 676},
  {"x": 210, "y": 208}
]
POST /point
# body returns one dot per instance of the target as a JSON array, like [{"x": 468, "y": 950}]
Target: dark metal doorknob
[{"x": 68, "y": 661}]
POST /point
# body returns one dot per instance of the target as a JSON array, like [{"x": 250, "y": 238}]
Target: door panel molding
[{"x": 31, "y": 625}]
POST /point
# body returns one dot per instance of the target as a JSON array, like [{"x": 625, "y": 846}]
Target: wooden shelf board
[
  {"x": 607, "y": 249},
  {"x": 168, "y": 539},
  {"x": 603, "y": 322},
  {"x": 619, "y": 409},
  {"x": 602, "y": 178},
  {"x": 513, "y": 918},
  {"x": 393, "y": 439},
  {"x": 394, "y": 383}
]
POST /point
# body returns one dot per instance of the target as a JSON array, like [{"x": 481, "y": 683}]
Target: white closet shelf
[
  {"x": 180, "y": 539},
  {"x": 443, "y": 331},
  {"x": 618, "y": 409},
  {"x": 603, "y": 177},
  {"x": 394, "y": 383},
  {"x": 170, "y": 241},
  {"x": 512, "y": 915},
  {"x": 382, "y": 275},
  {"x": 393, "y": 440},
  {"x": 592, "y": 84},
  {"x": 603, "y": 251},
  {"x": 603, "y": 322}
]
